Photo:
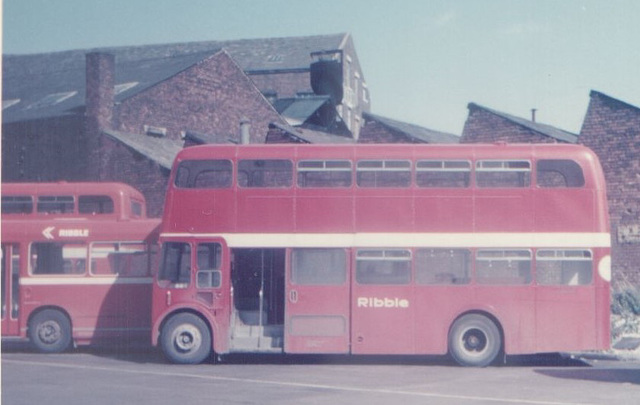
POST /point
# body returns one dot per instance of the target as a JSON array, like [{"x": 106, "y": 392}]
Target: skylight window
[
  {"x": 275, "y": 58},
  {"x": 9, "y": 103},
  {"x": 122, "y": 87},
  {"x": 52, "y": 99}
]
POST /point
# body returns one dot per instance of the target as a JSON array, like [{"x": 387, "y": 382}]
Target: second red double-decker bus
[
  {"x": 474, "y": 250},
  {"x": 76, "y": 263}
]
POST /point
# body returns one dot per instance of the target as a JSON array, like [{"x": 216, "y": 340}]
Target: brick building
[
  {"x": 379, "y": 129},
  {"x": 484, "y": 125},
  {"x": 121, "y": 113},
  {"x": 612, "y": 129}
]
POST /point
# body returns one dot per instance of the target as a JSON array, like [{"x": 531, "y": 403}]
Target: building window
[{"x": 52, "y": 99}]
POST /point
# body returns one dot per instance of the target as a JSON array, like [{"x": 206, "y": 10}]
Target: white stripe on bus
[
  {"x": 71, "y": 280},
  {"x": 408, "y": 240}
]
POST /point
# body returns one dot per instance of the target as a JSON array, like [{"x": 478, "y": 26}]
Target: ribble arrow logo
[
  {"x": 47, "y": 232},
  {"x": 64, "y": 233}
]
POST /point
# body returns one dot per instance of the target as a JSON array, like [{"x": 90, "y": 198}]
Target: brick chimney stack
[
  {"x": 100, "y": 91},
  {"x": 99, "y": 101}
]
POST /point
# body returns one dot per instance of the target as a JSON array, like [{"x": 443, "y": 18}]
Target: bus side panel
[
  {"x": 565, "y": 318},
  {"x": 514, "y": 308},
  {"x": 382, "y": 319},
  {"x": 379, "y": 210},
  {"x": 445, "y": 212},
  {"x": 558, "y": 210}
]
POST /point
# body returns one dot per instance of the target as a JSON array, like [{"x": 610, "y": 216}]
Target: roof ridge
[{"x": 544, "y": 129}]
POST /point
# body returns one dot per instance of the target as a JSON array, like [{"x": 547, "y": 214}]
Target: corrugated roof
[
  {"x": 543, "y": 129},
  {"x": 30, "y": 78},
  {"x": 414, "y": 131},
  {"x": 160, "y": 150}
]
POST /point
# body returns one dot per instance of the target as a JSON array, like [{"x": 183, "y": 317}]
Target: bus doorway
[
  {"x": 10, "y": 289},
  {"x": 257, "y": 318}
]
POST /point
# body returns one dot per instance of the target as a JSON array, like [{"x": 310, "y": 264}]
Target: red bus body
[
  {"x": 76, "y": 261},
  {"x": 438, "y": 244}
]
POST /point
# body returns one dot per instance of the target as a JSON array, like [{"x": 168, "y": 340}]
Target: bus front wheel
[
  {"x": 185, "y": 339},
  {"x": 474, "y": 340},
  {"x": 50, "y": 331}
]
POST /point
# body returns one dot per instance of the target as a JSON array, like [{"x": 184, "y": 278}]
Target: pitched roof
[
  {"x": 413, "y": 131},
  {"x": 160, "y": 150},
  {"x": 608, "y": 98},
  {"x": 542, "y": 129},
  {"x": 305, "y": 135},
  {"x": 32, "y": 79}
]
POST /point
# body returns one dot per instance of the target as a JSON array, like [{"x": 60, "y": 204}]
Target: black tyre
[
  {"x": 50, "y": 331},
  {"x": 185, "y": 339},
  {"x": 474, "y": 340}
]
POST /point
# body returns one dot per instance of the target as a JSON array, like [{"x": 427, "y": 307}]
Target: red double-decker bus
[
  {"x": 76, "y": 263},
  {"x": 474, "y": 250}
]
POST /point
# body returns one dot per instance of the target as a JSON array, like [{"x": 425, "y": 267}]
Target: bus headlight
[{"x": 604, "y": 268}]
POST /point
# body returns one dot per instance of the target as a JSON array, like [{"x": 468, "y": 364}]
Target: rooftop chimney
[
  {"x": 100, "y": 75},
  {"x": 245, "y": 135},
  {"x": 533, "y": 114}
]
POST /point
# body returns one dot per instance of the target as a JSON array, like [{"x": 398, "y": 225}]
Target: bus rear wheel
[
  {"x": 474, "y": 340},
  {"x": 50, "y": 331},
  {"x": 185, "y": 339}
]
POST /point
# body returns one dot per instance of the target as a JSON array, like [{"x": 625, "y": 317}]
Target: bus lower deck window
[{"x": 58, "y": 258}]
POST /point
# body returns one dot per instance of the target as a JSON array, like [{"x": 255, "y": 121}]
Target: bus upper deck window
[
  {"x": 324, "y": 173},
  {"x": 503, "y": 173},
  {"x": 136, "y": 208},
  {"x": 383, "y": 173},
  {"x": 559, "y": 173},
  {"x": 56, "y": 204},
  {"x": 17, "y": 204},
  {"x": 204, "y": 174},
  {"x": 265, "y": 173},
  {"x": 443, "y": 173},
  {"x": 95, "y": 204}
]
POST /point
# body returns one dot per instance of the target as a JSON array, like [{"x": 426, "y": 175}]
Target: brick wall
[
  {"x": 374, "y": 132},
  {"x": 45, "y": 150},
  {"x": 122, "y": 164},
  {"x": 612, "y": 129},
  {"x": 483, "y": 126},
  {"x": 211, "y": 97}
]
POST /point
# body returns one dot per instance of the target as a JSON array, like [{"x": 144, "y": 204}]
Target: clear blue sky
[{"x": 423, "y": 60}]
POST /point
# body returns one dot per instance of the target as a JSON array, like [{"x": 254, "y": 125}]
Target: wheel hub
[{"x": 49, "y": 332}]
